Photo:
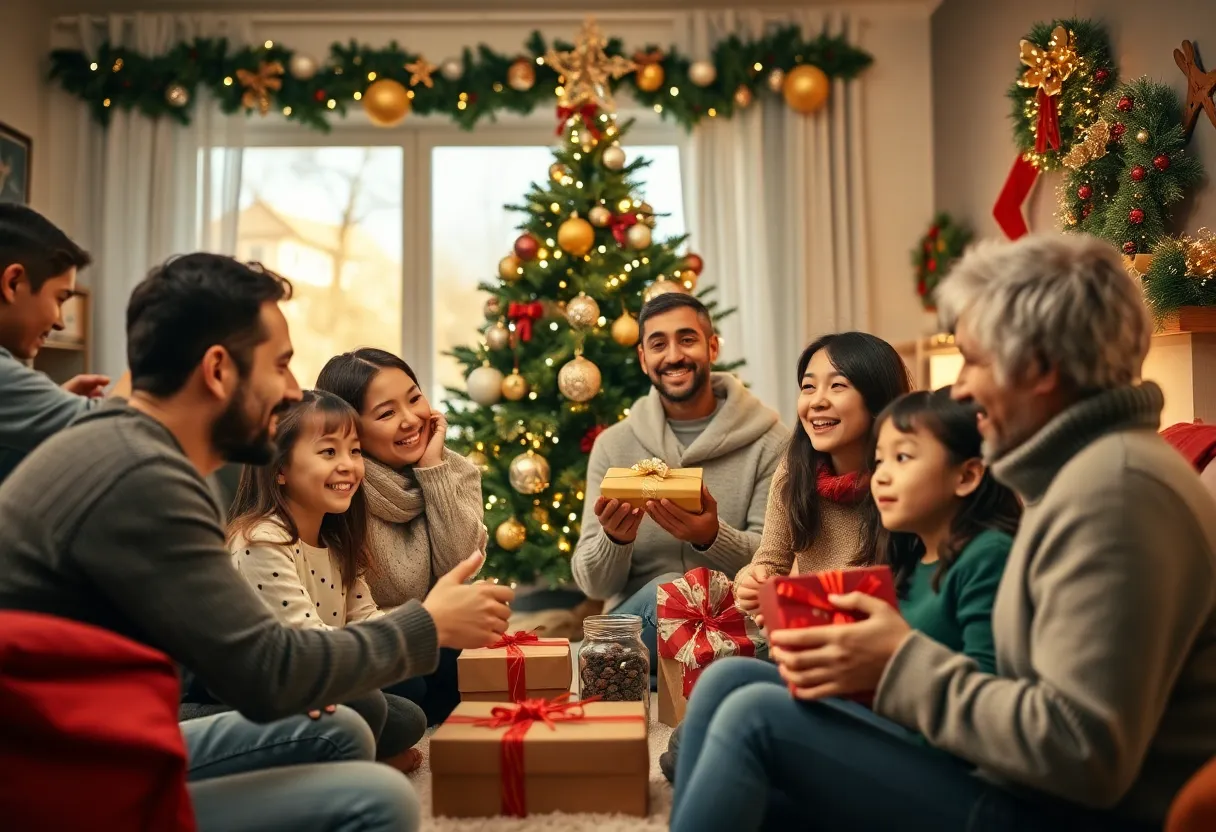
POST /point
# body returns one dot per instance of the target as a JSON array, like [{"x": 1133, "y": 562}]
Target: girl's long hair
[
  {"x": 990, "y": 506},
  {"x": 877, "y": 372},
  {"x": 260, "y": 498}
]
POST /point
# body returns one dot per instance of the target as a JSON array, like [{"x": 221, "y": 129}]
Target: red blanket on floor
[
  {"x": 88, "y": 731},
  {"x": 1194, "y": 440}
]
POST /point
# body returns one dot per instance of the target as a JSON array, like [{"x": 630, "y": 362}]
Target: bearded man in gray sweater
[{"x": 692, "y": 418}]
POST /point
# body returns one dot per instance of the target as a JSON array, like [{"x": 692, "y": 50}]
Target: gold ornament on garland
[
  {"x": 625, "y": 330},
  {"x": 420, "y": 72},
  {"x": 387, "y": 102},
  {"x": 806, "y": 88},
  {"x": 587, "y": 69},
  {"x": 514, "y": 387},
  {"x": 452, "y": 69},
  {"x": 302, "y": 67},
  {"x": 510, "y": 534},
  {"x": 576, "y": 235},
  {"x": 529, "y": 473},
  {"x": 1091, "y": 148},
  {"x": 258, "y": 85},
  {"x": 776, "y": 79},
  {"x": 177, "y": 95},
  {"x": 508, "y": 268},
  {"x": 558, "y": 171},
  {"x": 743, "y": 97},
  {"x": 521, "y": 75},
  {"x": 702, "y": 73},
  {"x": 599, "y": 216},
  {"x": 1200, "y": 254},
  {"x": 650, "y": 77},
  {"x": 583, "y": 312},
  {"x": 579, "y": 379}
]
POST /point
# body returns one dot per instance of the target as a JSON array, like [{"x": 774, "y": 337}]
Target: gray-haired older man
[{"x": 1104, "y": 699}]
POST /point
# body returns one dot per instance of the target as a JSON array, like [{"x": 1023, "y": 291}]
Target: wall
[
  {"x": 24, "y": 41},
  {"x": 975, "y": 57}
]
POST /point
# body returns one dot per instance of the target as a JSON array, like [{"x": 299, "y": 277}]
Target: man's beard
[
  {"x": 239, "y": 438},
  {"x": 700, "y": 377}
]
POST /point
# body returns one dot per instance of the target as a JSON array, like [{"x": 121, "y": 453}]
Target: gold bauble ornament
[
  {"x": 508, "y": 268},
  {"x": 485, "y": 385},
  {"x": 386, "y": 102},
  {"x": 576, "y": 236},
  {"x": 498, "y": 337},
  {"x": 540, "y": 514},
  {"x": 702, "y": 73},
  {"x": 599, "y": 216},
  {"x": 743, "y": 97},
  {"x": 493, "y": 308},
  {"x": 661, "y": 287},
  {"x": 510, "y": 534},
  {"x": 302, "y": 67},
  {"x": 558, "y": 171},
  {"x": 614, "y": 158},
  {"x": 529, "y": 473},
  {"x": 452, "y": 69},
  {"x": 478, "y": 459},
  {"x": 806, "y": 88},
  {"x": 521, "y": 75},
  {"x": 579, "y": 380},
  {"x": 650, "y": 77},
  {"x": 625, "y": 330},
  {"x": 1142, "y": 136},
  {"x": 638, "y": 236},
  {"x": 514, "y": 387},
  {"x": 646, "y": 214},
  {"x": 177, "y": 96},
  {"x": 583, "y": 312},
  {"x": 776, "y": 79}
]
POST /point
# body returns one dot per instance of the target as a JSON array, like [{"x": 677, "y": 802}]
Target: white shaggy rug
[{"x": 660, "y": 798}]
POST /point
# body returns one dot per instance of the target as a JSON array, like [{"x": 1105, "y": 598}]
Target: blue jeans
[
  {"x": 437, "y": 694},
  {"x": 753, "y": 757},
  {"x": 297, "y": 773},
  {"x": 643, "y": 604}
]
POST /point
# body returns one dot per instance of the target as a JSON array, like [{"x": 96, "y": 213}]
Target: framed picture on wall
[{"x": 15, "y": 150}]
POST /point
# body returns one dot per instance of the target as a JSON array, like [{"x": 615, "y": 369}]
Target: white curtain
[
  {"x": 149, "y": 189},
  {"x": 775, "y": 205}
]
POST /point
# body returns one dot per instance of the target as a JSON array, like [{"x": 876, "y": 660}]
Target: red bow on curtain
[
  {"x": 587, "y": 113},
  {"x": 523, "y": 315}
]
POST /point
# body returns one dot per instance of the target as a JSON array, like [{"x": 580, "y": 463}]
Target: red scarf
[{"x": 848, "y": 489}]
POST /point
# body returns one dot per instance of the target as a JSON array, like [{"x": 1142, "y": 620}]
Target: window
[
  {"x": 471, "y": 232},
  {"x": 330, "y": 220}
]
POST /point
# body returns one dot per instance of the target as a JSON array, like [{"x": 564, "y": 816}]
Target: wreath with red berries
[{"x": 942, "y": 244}]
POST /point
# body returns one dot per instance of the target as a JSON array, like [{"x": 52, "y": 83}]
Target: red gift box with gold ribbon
[
  {"x": 519, "y": 666},
  {"x": 541, "y": 756},
  {"x": 697, "y": 623}
]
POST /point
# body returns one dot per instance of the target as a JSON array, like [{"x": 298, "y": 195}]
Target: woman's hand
[
  {"x": 432, "y": 455},
  {"x": 747, "y": 590}
]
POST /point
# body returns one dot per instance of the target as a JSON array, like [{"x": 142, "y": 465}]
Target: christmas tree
[{"x": 557, "y": 362}]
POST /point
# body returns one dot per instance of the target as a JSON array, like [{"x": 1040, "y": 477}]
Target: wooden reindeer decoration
[{"x": 1199, "y": 87}]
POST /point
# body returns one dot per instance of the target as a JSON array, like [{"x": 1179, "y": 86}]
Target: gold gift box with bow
[{"x": 652, "y": 479}]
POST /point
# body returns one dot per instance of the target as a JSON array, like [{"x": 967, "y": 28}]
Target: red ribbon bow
[
  {"x": 698, "y": 619},
  {"x": 523, "y": 315},
  {"x": 517, "y": 663},
  {"x": 620, "y": 223},
  {"x": 517, "y": 719},
  {"x": 587, "y": 113},
  {"x": 816, "y": 595}
]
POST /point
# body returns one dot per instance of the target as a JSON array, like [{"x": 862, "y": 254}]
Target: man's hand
[
  {"x": 747, "y": 591},
  {"x": 620, "y": 520},
  {"x": 89, "y": 385},
  {"x": 699, "y": 529},
  {"x": 468, "y": 616},
  {"x": 329, "y": 709},
  {"x": 840, "y": 659},
  {"x": 432, "y": 454}
]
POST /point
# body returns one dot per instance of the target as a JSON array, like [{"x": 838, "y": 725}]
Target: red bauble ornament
[
  {"x": 1129, "y": 248},
  {"x": 693, "y": 263},
  {"x": 1135, "y": 216},
  {"x": 1125, "y": 104},
  {"x": 319, "y": 96},
  {"x": 1118, "y": 130},
  {"x": 1085, "y": 192},
  {"x": 1161, "y": 162},
  {"x": 933, "y": 232},
  {"x": 931, "y": 265},
  {"x": 922, "y": 288},
  {"x": 526, "y": 247},
  {"x": 588, "y": 440},
  {"x": 1101, "y": 76},
  {"x": 1138, "y": 173},
  {"x": 1087, "y": 209}
]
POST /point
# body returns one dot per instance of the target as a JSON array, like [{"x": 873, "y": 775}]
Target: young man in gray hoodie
[
  {"x": 692, "y": 418},
  {"x": 38, "y": 265}
]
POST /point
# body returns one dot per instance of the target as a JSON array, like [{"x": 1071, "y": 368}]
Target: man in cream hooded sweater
[{"x": 692, "y": 418}]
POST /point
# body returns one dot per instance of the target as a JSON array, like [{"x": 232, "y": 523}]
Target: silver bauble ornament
[
  {"x": 498, "y": 337},
  {"x": 177, "y": 95},
  {"x": 485, "y": 385},
  {"x": 579, "y": 380},
  {"x": 529, "y": 473},
  {"x": 599, "y": 216},
  {"x": 702, "y": 73},
  {"x": 776, "y": 80},
  {"x": 583, "y": 312},
  {"x": 614, "y": 158},
  {"x": 452, "y": 69},
  {"x": 302, "y": 67},
  {"x": 638, "y": 236}
]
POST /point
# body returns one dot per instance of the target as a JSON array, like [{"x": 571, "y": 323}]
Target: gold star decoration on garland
[
  {"x": 258, "y": 85},
  {"x": 420, "y": 72},
  {"x": 587, "y": 69}
]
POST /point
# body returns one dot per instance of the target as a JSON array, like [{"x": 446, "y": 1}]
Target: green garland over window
[{"x": 166, "y": 85}]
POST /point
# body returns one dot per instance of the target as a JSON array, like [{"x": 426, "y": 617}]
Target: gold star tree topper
[{"x": 587, "y": 69}]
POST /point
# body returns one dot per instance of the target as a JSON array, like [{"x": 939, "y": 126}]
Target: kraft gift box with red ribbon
[
  {"x": 652, "y": 479},
  {"x": 518, "y": 666},
  {"x": 541, "y": 756},
  {"x": 697, "y": 623},
  {"x": 802, "y": 601}
]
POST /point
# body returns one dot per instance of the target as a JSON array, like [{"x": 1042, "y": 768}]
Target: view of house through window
[
  {"x": 470, "y": 231},
  {"x": 329, "y": 219}
]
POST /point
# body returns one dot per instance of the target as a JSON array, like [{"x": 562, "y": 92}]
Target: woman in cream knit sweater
[{"x": 424, "y": 501}]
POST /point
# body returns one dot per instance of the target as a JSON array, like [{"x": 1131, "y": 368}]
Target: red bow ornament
[
  {"x": 517, "y": 662},
  {"x": 620, "y": 223},
  {"x": 524, "y": 315},
  {"x": 587, "y": 113},
  {"x": 699, "y": 622}
]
